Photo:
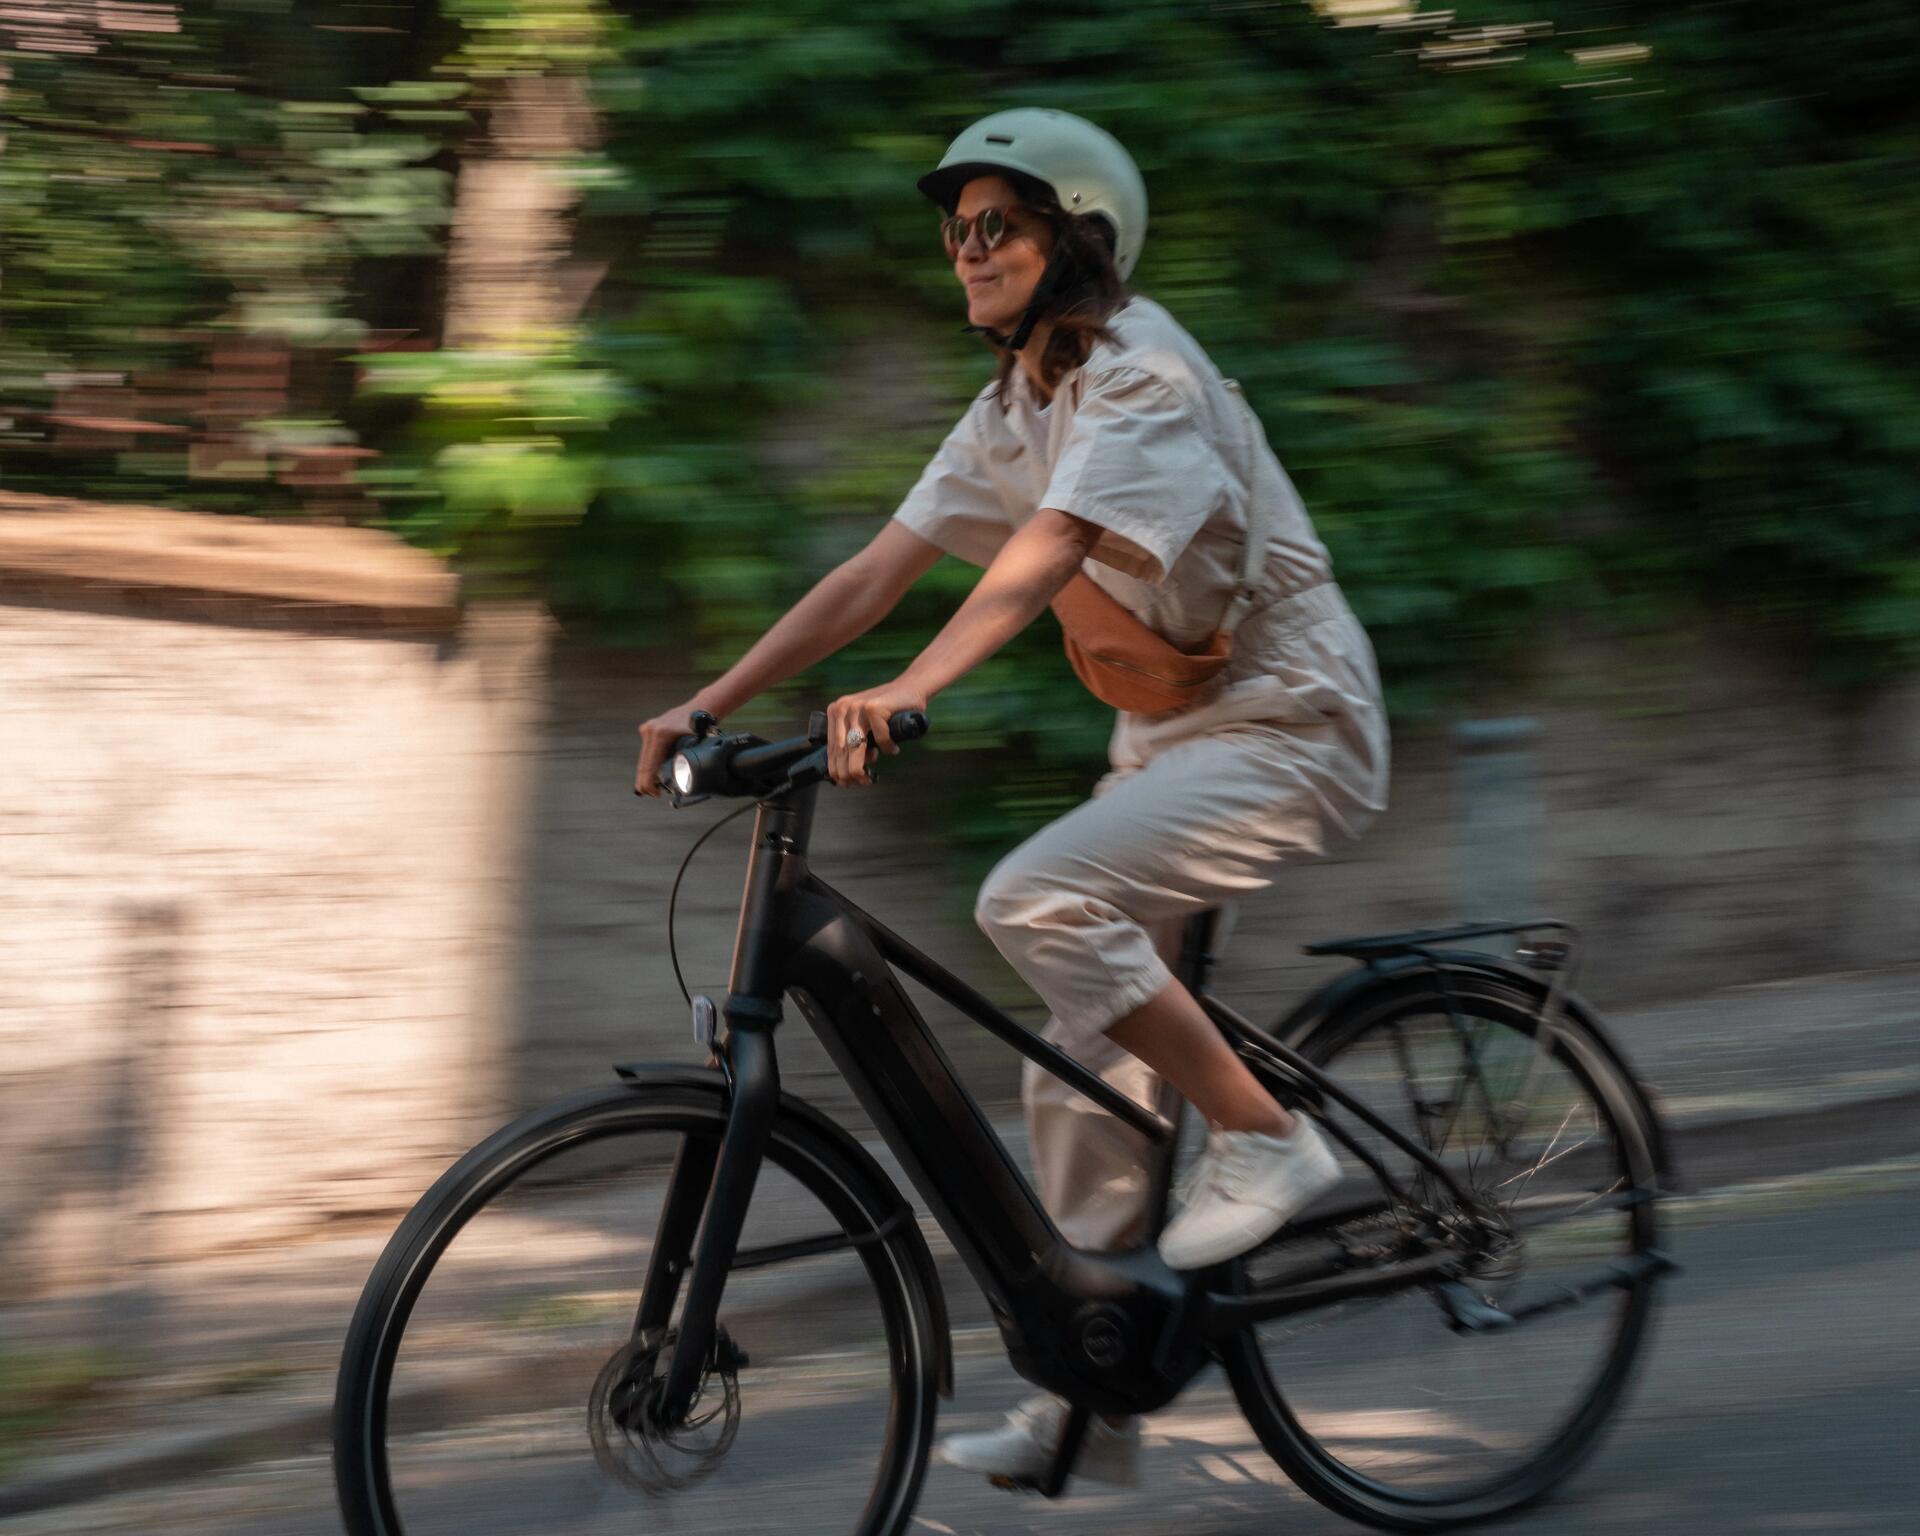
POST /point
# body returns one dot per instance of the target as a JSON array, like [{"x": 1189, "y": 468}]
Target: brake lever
[{"x": 679, "y": 801}]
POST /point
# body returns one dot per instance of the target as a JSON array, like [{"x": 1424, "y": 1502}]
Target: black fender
[
  {"x": 1371, "y": 982},
  {"x": 880, "y": 1189}
]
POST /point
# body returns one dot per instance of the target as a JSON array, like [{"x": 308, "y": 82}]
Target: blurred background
[{"x": 401, "y": 400}]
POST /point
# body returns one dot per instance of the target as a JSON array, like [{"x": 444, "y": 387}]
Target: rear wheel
[
  {"x": 1378, "y": 1407},
  {"x": 495, "y": 1377}
]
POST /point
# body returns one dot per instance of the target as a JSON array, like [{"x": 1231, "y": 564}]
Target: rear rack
[
  {"x": 1547, "y": 956},
  {"x": 1559, "y": 956}
]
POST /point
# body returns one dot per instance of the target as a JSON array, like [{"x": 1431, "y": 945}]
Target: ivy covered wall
[{"x": 1557, "y": 313}]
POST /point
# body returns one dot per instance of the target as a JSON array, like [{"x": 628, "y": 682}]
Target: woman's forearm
[
  {"x": 840, "y": 608},
  {"x": 1032, "y": 566}
]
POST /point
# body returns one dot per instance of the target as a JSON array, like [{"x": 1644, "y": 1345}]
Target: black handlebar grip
[{"x": 907, "y": 725}]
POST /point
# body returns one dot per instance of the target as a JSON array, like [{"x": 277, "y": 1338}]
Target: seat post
[
  {"x": 1197, "y": 938},
  {"x": 1196, "y": 949}
]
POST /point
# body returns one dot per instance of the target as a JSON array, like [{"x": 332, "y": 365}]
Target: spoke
[
  {"x": 1573, "y": 1200},
  {"x": 1477, "y": 1070},
  {"x": 1471, "y": 1039},
  {"x": 1567, "y": 1211},
  {"x": 1549, "y": 1156},
  {"x": 1499, "y": 1135},
  {"x": 1456, "y": 1095},
  {"x": 1537, "y": 1046},
  {"x": 1512, "y": 1156},
  {"x": 1418, "y": 1109},
  {"x": 1454, "y": 1102},
  {"x": 1502, "y": 1128},
  {"x": 1291, "y": 1332}
]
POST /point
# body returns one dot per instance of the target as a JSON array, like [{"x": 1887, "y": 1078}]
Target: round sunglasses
[{"x": 994, "y": 224}]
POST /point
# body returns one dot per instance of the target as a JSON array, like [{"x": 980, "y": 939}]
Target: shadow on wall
[
  {"x": 82, "y": 1132},
  {"x": 260, "y": 819}
]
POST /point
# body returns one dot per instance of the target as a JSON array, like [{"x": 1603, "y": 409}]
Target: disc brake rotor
[{"x": 630, "y": 1439}]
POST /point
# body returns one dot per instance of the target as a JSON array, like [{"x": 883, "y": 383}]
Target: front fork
[{"x": 716, "y": 1181}]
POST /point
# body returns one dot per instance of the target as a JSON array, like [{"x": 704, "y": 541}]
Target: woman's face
[{"x": 999, "y": 282}]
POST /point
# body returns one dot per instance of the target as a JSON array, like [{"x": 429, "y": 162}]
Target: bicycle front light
[{"x": 699, "y": 769}]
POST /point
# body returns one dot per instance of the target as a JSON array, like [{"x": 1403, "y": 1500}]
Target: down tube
[{"x": 909, "y": 1089}]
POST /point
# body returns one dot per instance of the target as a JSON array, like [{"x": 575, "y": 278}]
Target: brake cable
[{"x": 673, "y": 900}]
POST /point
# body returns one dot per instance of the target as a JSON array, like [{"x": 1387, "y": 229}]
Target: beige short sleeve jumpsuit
[{"x": 1286, "y": 752}]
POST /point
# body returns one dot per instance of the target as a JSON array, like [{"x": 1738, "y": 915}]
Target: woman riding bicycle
[{"x": 1108, "y": 447}]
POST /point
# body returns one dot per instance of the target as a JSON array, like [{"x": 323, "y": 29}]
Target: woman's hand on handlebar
[
  {"x": 868, "y": 712},
  {"x": 657, "y": 739}
]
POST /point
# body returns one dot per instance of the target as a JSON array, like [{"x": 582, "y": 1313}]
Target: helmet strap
[{"x": 1043, "y": 295}]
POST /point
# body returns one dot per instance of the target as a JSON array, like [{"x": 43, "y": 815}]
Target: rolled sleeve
[
  {"x": 1137, "y": 464},
  {"x": 955, "y": 503}
]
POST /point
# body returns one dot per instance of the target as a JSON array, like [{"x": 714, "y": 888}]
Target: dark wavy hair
[{"x": 1087, "y": 294}]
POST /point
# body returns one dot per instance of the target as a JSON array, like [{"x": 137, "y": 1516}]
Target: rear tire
[
  {"x": 1375, "y": 1407},
  {"x": 479, "y": 1403}
]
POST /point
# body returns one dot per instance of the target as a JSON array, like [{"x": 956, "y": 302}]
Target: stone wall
[
  {"x": 1702, "y": 815},
  {"x": 307, "y": 879},
  {"x": 261, "y": 807}
]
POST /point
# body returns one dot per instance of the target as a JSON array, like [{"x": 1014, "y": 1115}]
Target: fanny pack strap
[{"x": 1252, "y": 553}]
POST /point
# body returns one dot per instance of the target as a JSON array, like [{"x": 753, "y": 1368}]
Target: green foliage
[
  {"x": 1600, "y": 332},
  {"x": 1604, "y": 314},
  {"x": 511, "y": 485},
  {"x": 186, "y": 202}
]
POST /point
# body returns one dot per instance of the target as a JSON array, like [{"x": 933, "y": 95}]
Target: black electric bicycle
[{"x": 688, "y": 1301}]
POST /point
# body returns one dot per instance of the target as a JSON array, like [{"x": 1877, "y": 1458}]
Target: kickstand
[{"x": 1064, "y": 1455}]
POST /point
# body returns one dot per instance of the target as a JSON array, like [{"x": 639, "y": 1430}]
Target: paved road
[{"x": 1783, "y": 1395}]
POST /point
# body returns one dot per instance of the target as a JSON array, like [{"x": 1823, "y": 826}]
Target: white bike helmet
[{"x": 1084, "y": 167}]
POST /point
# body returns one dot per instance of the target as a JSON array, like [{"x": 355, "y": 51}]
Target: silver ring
[{"x": 856, "y": 738}]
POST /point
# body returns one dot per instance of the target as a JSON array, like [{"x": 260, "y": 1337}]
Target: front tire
[{"x": 472, "y": 1389}]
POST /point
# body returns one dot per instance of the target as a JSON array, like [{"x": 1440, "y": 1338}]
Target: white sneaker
[
  {"x": 1023, "y": 1447},
  {"x": 1246, "y": 1187}
]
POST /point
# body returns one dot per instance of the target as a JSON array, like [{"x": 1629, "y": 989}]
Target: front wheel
[
  {"x": 496, "y": 1372},
  {"x": 1383, "y": 1408}
]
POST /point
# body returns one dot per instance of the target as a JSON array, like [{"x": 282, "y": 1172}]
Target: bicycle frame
[{"x": 1116, "y": 1332}]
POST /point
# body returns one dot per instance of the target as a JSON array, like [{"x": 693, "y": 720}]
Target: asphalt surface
[
  {"x": 233, "y": 1356},
  {"x": 1781, "y": 1393}
]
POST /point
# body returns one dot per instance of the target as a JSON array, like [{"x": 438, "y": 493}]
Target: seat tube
[{"x": 1198, "y": 936}]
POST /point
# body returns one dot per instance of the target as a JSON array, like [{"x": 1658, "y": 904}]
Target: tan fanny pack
[{"x": 1124, "y": 663}]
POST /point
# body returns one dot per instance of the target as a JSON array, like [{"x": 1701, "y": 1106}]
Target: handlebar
[{"x": 709, "y": 763}]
